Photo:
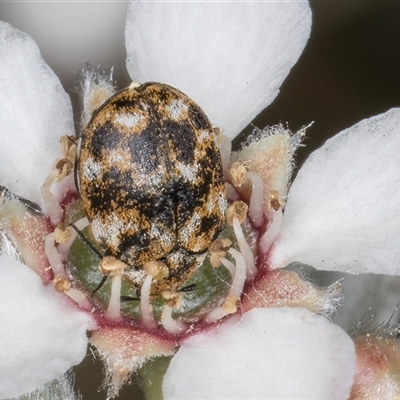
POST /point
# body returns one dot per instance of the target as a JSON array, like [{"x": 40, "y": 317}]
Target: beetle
[{"x": 150, "y": 177}]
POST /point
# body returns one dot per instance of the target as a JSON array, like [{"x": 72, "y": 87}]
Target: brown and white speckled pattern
[{"x": 150, "y": 176}]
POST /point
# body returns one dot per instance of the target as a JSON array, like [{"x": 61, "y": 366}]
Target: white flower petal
[
  {"x": 271, "y": 353},
  {"x": 230, "y": 58},
  {"x": 35, "y": 111},
  {"x": 41, "y": 334},
  {"x": 343, "y": 208}
]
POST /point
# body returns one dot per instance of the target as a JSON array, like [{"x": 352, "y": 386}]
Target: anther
[
  {"x": 61, "y": 283},
  {"x": 64, "y": 166},
  {"x": 62, "y": 233},
  {"x": 275, "y": 200},
  {"x": 237, "y": 209},
  {"x": 217, "y": 250}
]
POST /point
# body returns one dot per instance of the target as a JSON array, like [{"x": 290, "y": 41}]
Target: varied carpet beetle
[{"x": 151, "y": 180}]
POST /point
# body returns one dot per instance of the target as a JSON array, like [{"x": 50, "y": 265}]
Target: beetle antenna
[
  {"x": 100, "y": 285},
  {"x": 72, "y": 140},
  {"x": 85, "y": 240},
  {"x": 95, "y": 251}
]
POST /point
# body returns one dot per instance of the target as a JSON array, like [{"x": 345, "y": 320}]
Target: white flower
[
  {"x": 42, "y": 333},
  {"x": 51, "y": 334},
  {"x": 231, "y": 58}
]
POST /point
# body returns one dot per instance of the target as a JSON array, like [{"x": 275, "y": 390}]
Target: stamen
[
  {"x": 231, "y": 192},
  {"x": 237, "y": 209},
  {"x": 68, "y": 144},
  {"x": 238, "y": 174},
  {"x": 53, "y": 209},
  {"x": 272, "y": 231},
  {"x": 256, "y": 207},
  {"x": 63, "y": 285},
  {"x": 239, "y": 277},
  {"x": 217, "y": 250},
  {"x": 112, "y": 266},
  {"x": 79, "y": 298},
  {"x": 62, "y": 233},
  {"x": 78, "y": 226},
  {"x": 245, "y": 249},
  {"x": 225, "y": 148},
  {"x": 229, "y": 265},
  {"x": 145, "y": 306},
  {"x": 155, "y": 270},
  {"x": 113, "y": 312},
  {"x": 275, "y": 200},
  {"x": 171, "y": 325},
  {"x": 64, "y": 167},
  {"x": 230, "y": 304},
  {"x": 215, "y": 315},
  {"x": 53, "y": 255},
  {"x": 235, "y": 215},
  {"x": 250, "y": 186},
  {"x": 240, "y": 274}
]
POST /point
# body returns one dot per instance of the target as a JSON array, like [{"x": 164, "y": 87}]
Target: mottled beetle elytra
[
  {"x": 151, "y": 237},
  {"x": 151, "y": 181}
]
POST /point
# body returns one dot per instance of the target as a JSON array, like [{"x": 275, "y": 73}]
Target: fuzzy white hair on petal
[
  {"x": 57, "y": 389},
  {"x": 96, "y": 87}
]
